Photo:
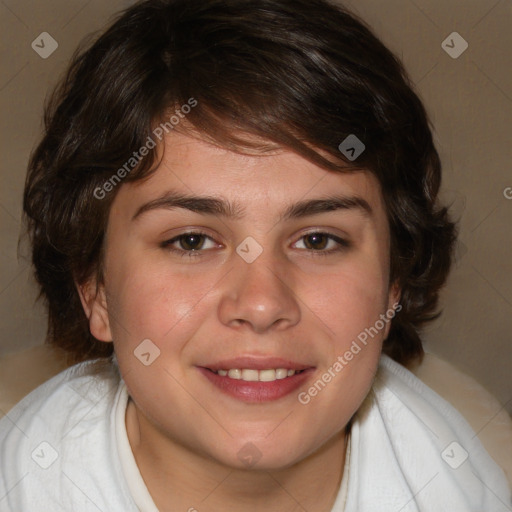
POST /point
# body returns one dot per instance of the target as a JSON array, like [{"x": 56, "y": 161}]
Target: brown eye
[
  {"x": 189, "y": 244},
  {"x": 322, "y": 244},
  {"x": 191, "y": 241},
  {"x": 316, "y": 241}
]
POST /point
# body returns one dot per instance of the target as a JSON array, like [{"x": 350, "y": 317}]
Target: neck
[{"x": 179, "y": 479}]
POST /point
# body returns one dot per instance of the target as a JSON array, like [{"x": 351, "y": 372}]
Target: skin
[{"x": 292, "y": 302}]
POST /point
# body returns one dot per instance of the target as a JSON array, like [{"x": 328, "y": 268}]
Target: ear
[
  {"x": 394, "y": 305},
  {"x": 94, "y": 302}
]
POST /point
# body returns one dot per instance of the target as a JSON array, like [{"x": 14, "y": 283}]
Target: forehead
[
  {"x": 259, "y": 188},
  {"x": 258, "y": 182}
]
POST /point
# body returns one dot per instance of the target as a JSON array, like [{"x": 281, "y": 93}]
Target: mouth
[
  {"x": 255, "y": 380},
  {"x": 251, "y": 375}
]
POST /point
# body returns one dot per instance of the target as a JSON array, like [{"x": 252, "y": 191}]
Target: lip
[{"x": 256, "y": 392}]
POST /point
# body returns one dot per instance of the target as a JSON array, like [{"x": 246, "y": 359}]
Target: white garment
[{"x": 74, "y": 426}]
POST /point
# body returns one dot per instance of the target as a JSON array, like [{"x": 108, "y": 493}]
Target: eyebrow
[{"x": 213, "y": 206}]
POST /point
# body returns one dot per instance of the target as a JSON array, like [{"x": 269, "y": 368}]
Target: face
[{"x": 235, "y": 287}]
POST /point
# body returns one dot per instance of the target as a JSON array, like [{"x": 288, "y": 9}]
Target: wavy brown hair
[{"x": 299, "y": 74}]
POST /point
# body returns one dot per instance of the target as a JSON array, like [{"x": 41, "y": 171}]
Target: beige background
[{"x": 470, "y": 103}]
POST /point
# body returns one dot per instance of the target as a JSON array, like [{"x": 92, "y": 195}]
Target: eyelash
[{"x": 167, "y": 245}]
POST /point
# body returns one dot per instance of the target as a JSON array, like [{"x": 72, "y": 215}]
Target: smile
[
  {"x": 252, "y": 385},
  {"x": 251, "y": 375}
]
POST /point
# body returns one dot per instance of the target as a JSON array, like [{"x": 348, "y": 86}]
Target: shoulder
[
  {"x": 403, "y": 391},
  {"x": 423, "y": 442},
  {"x": 53, "y": 434},
  {"x": 404, "y": 399},
  {"x": 52, "y": 406}
]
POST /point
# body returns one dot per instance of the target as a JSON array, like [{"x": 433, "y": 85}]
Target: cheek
[
  {"x": 349, "y": 300},
  {"x": 152, "y": 301},
  {"x": 349, "y": 304}
]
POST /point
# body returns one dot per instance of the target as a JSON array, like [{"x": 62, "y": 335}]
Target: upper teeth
[{"x": 257, "y": 375}]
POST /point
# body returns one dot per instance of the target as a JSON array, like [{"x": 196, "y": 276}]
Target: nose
[{"x": 256, "y": 296}]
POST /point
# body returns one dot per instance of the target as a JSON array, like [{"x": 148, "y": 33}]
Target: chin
[{"x": 262, "y": 455}]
